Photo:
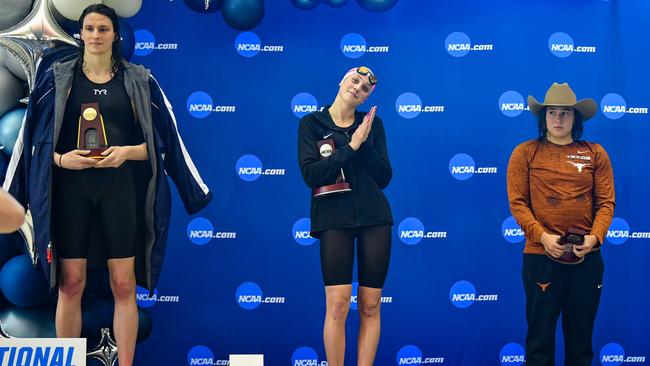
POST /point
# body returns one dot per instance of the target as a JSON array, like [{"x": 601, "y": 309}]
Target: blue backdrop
[{"x": 243, "y": 276}]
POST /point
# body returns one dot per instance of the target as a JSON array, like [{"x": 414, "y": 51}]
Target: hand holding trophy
[
  {"x": 571, "y": 238},
  {"x": 92, "y": 134}
]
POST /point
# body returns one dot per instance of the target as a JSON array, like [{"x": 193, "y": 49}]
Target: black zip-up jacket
[{"x": 367, "y": 170}]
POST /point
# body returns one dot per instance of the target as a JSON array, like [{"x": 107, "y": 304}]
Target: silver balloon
[
  {"x": 124, "y": 8},
  {"x": 106, "y": 350},
  {"x": 72, "y": 9},
  {"x": 12, "y": 64},
  {"x": 27, "y": 40},
  {"x": 10, "y": 90},
  {"x": 3, "y": 333},
  {"x": 13, "y": 11}
]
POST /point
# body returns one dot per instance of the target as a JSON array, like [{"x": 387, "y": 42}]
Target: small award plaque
[
  {"x": 92, "y": 134},
  {"x": 326, "y": 148}
]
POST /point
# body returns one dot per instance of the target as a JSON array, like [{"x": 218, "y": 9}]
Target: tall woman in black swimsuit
[{"x": 90, "y": 193}]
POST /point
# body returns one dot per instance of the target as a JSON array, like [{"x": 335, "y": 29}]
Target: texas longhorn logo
[
  {"x": 580, "y": 166},
  {"x": 543, "y": 286}
]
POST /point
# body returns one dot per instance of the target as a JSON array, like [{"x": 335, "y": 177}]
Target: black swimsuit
[{"x": 84, "y": 201}]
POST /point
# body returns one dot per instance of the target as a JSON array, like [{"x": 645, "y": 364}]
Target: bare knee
[
  {"x": 369, "y": 308},
  {"x": 72, "y": 285},
  {"x": 338, "y": 308},
  {"x": 123, "y": 287}
]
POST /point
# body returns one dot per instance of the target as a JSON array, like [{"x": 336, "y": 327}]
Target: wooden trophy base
[
  {"x": 96, "y": 153},
  {"x": 331, "y": 189}
]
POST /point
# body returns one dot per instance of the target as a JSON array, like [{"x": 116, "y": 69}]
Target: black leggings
[{"x": 373, "y": 250}]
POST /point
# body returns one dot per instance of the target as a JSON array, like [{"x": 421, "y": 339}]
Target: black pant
[
  {"x": 373, "y": 255},
  {"x": 553, "y": 289}
]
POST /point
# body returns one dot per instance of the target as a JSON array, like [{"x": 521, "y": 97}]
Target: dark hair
[
  {"x": 116, "y": 58},
  {"x": 576, "y": 131}
]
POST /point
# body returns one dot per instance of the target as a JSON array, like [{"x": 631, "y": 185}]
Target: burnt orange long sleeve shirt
[{"x": 553, "y": 187}]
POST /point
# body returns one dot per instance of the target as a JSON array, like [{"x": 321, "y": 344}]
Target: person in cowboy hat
[{"x": 555, "y": 183}]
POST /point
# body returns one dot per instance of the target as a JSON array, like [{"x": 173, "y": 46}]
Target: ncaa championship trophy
[
  {"x": 327, "y": 148},
  {"x": 92, "y": 134},
  {"x": 573, "y": 236}
]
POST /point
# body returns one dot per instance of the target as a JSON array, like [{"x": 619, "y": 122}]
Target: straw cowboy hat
[{"x": 561, "y": 95}]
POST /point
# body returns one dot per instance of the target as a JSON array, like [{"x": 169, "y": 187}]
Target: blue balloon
[
  {"x": 21, "y": 283},
  {"x": 199, "y": 6},
  {"x": 305, "y": 4},
  {"x": 9, "y": 127},
  {"x": 96, "y": 314},
  {"x": 377, "y": 6},
  {"x": 336, "y": 3},
  {"x": 145, "y": 324},
  {"x": 127, "y": 39},
  {"x": 37, "y": 322},
  {"x": 242, "y": 14}
]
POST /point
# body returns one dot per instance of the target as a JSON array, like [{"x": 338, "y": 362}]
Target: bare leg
[
  {"x": 125, "y": 319},
  {"x": 68, "y": 306},
  {"x": 338, "y": 305},
  {"x": 369, "y": 304}
]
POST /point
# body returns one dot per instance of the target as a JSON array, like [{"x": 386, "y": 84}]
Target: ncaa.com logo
[
  {"x": 613, "y": 354},
  {"x": 511, "y": 103},
  {"x": 614, "y": 106},
  {"x": 412, "y": 355},
  {"x": 561, "y": 45},
  {"x": 300, "y": 232},
  {"x": 511, "y": 231},
  {"x": 306, "y": 356},
  {"x": 463, "y": 167},
  {"x": 200, "y": 231},
  {"x": 409, "y": 105},
  {"x": 145, "y": 301},
  {"x": 200, "y": 105},
  {"x": 619, "y": 232},
  {"x": 512, "y": 354},
  {"x": 411, "y": 231},
  {"x": 202, "y": 355},
  {"x": 248, "y": 44},
  {"x": 249, "y": 296},
  {"x": 458, "y": 44},
  {"x": 249, "y": 168},
  {"x": 303, "y": 104},
  {"x": 145, "y": 43},
  {"x": 463, "y": 294},
  {"x": 354, "y": 45},
  {"x": 354, "y": 298}
]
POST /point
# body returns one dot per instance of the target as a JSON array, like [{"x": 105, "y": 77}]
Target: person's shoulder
[
  {"x": 598, "y": 149},
  {"x": 593, "y": 146},
  {"x": 310, "y": 118},
  {"x": 526, "y": 146},
  {"x": 137, "y": 72}
]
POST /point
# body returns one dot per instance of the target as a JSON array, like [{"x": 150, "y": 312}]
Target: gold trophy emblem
[{"x": 92, "y": 134}]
